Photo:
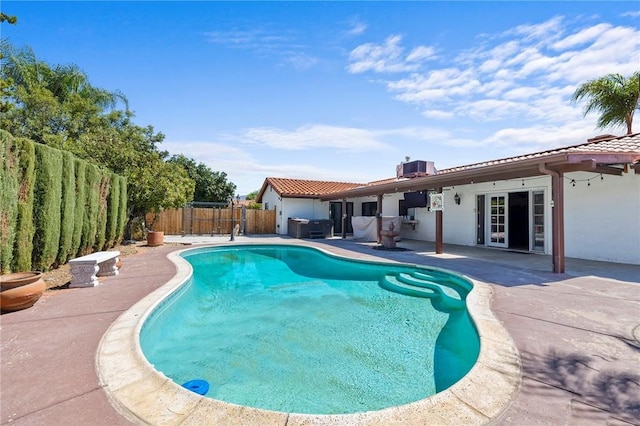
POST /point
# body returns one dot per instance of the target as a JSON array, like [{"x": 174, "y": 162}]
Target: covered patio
[{"x": 604, "y": 155}]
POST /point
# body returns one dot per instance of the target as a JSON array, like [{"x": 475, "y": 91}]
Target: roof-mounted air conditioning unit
[{"x": 416, "y": 168}]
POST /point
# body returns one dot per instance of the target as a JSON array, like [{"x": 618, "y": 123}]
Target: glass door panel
[
  {"x": 537, "y": 208},
  {"x": 498, "y": 220}
]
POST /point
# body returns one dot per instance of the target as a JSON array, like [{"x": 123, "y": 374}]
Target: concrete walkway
[{"x": 578, "y": 334}]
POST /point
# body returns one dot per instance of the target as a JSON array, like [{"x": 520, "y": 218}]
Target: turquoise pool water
[{"x": 293, "y": 329}]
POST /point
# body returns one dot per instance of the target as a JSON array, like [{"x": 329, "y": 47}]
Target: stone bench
[{"x": 85, "y": 270}]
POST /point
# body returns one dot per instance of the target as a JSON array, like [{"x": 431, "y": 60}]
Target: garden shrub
[
  {"x": 47, "y": 201},
  {"x": 112, "y": 205},
  {"x": 23, "y": 244},
  {"x": 8, "y": 199},
  {"x": 67, "y": 207},
  {"x": 80, "y": 168},
  {"x": 101, "y": 218},
  {"x": 92, "y": 196},
  {"x": 123, "y": 215}
]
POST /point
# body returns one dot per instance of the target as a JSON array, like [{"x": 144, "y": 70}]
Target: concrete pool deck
[{"x": 577, "y": 334}]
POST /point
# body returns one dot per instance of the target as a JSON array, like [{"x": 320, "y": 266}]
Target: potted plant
[
  {"x": 154, "y": 238},
  {"x": 20, "y": 290}
]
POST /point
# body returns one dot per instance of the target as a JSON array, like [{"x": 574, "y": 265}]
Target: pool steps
[{"x": 419, "y": 284}]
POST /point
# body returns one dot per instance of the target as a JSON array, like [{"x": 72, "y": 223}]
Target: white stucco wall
[
  {"x": 306, "y": 208},
  {"x": 602, "y": 220}
]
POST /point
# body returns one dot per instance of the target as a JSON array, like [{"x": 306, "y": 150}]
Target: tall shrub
[
  {"x": 92, "y": 196},
  {"x": 123, "y": 212},
  {"x": 8, "y": 199},
  {"x": 112, "y": 210},
  {"x": 67, "y": 207},
  {"x": 47, "y": 201},
  {"x": 23, "y": 244},
  {"x": 80, "y": 168},
  {"x": 101, "y": 218}
]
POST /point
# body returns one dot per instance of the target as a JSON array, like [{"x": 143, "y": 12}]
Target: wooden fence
[{"x": 213, "y": 221}]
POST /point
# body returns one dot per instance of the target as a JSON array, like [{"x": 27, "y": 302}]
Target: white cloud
[
  {"x": 438, "y": 114},
  {"x": 315, "y": 137},
  {"x": 632, "y": 14},
  {"x": 421, "y": 53},
  {"x": 356, "y": 27},
  {"x": 281, "y": 44},
  {"x": 581, "y": 37},
  {"x": 527, "y": 73},
  {"x": 388, "y": 57},
  {"x": 548, "y": 30}
]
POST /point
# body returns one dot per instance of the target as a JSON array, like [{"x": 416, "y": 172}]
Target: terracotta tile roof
[
  {"x": 300, "y": 188},
  {"x": 381, "y": 181},
  {"x": 606, "y": 144}
]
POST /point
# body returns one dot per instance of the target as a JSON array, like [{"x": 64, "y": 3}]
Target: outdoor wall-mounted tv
[{"x": 415, "y": 199}]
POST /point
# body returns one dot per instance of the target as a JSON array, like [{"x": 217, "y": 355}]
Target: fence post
[{"x": 244, "y": 220}]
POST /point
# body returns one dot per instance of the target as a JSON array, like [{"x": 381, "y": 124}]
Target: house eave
[{"x": 517, "y": 169}]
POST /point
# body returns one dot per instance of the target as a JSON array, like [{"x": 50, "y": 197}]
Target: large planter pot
[
  {"x": 20, "y": 290},
  {"x": 155, "y": 238}
]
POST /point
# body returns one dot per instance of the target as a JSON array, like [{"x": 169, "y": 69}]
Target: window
[
  {"x": 404, "y": 211},
  {"x": 369, "y": 208}
]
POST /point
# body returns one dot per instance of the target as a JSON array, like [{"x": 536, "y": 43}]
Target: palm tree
[
  {"x": 24, "y": 69},
  {"x": 614, "y": 96}
]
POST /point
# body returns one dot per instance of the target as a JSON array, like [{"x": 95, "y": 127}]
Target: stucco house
[{"x": 580, "y": 201}]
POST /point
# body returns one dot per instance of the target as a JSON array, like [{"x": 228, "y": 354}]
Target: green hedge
[
  {"x": 123, "y": 214},
  {"x": 67, "y": 208},
  {"x": 9, "y": 185},
  {"x": 46, "y": 211},
  {"x": 23, "y": 246},
  {"x": 92, "y": 197},
  {"x": 54, "y": 206},
  {"x": 113, "y": 201},
  {"x": 80, "y": 167},
  {"x": 101, "y": 226}
]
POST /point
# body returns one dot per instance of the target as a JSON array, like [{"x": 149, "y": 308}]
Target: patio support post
[
  {"x": 557, "y": 192},
  {"x": 439, "y": 244},
  {"x": 557, "y": 218},
  {"x": 344, "y": 218},
  {"x": 379, "y": 217}
]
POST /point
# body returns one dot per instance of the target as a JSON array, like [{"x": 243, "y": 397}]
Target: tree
[
  {"x": 50, "y": 104},
  {"x": 614, "y": 96},
  {"x": 10, "y": 19},
  {"x": 252, "y": 195},
  {"x": 58, "y": 106},
  {"x": 209, "y": 185}
]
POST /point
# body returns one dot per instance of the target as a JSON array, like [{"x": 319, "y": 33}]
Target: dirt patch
[{"x": 61, "y": 277}]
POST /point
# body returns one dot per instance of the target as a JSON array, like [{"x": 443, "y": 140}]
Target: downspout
[
  {"x": 557, "y": 217},
  {"x": 344, "y": 218},
  {"x": 439, "y": 230}
]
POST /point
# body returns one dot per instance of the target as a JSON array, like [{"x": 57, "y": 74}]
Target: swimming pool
[
  {"x": 144, "y": 395},
  {"x": 293, "y": 329}
]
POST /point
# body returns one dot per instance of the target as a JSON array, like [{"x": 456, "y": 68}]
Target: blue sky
[{"x": 342, "y": 91}]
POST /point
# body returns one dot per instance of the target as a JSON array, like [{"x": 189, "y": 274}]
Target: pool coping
[{"x": 143, "y": 395}]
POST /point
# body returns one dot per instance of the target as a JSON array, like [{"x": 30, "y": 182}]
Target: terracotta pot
[
  {"x": 21, "y": 290},
  {"x": 155, "y": 238},
  {"x": 18, "y": 279}
]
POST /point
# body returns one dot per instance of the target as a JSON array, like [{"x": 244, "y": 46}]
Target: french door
[{"x": 498, "y": 216}]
